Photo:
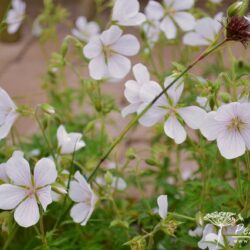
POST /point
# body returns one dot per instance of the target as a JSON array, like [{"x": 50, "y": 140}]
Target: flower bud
[
  {"x": 48, "y": 109},
  {"x": 130, "y": 154},
  {"x": 199, "y": 218},
  {"x": 108, "y": 178},
  {"x": 137, "y": 243},
  {"x": 234, "y": 9},
  {"x": 64, "y": 48}
]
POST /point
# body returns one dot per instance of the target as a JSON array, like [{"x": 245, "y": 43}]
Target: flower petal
[
  {"x": 154, "y": 10},
  {"x": 118, "y": 66},
  {"x": 168, "y": 27},
  {"x": 175, "y": 130},
  {"x": 162, "y": 202},
  {"x": 93, "y": 48},
  {"x": 211, "y": 128},
  {"x": 194, "y": 39},
  {"x": 80, "y": 212},
  {"x": 141, "y": 73},
  {"x": 11, "y": 196},
  {"x": 3, "y": 175},
  {"x": 44, "y": 196},
  {"x": 127, "y": 45},
  {"x": 45, "y": 172},
  {"x": 5, "y": 127},
  {"x": 18, "y": 170},
  {"x": 185, "y": 20},
  {"x": 175, "y": 91},
  {"x": 193, "y": 116},
  {"x": 183, "y": 5},
  {"x": 98, "y": 68},
  {"x": 111, "y": 35},
  {"x": 231, "y": 144},
  {"x": 132, "y": 108},
  {"x": 27, "y": 213},
  {"x": 132, "y": 91}
]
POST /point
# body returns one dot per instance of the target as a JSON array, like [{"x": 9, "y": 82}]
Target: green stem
[
  {"x": 136, "y": 118},
  {"x": 43, "y": 236},
  {"x": 182, "y": 216}
]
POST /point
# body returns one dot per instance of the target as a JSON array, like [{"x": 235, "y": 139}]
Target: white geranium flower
[
  {"x": 162, "y": 202},
  {"x": 15, "y": 16},
  {"x": 126, "y": 13},
  {"x": 173, "y": 12},
  {"x": 166, "y": 107},
  {"x": 85, "y": 30},
  {"x": 230, "y": 126},
  {"x": 107, "y": 53},
  {"x": 214, "y": 238},
  {"x": 26, "y": 191},
  {"x": 8, "y": 114},
  {"x": 69, "y": 142},
  {"x": 117, "y": 183},
  {"x": 81, "y": 193},
  {"x": 205, "y": 31},
  {"x": 133, "y": 88}
]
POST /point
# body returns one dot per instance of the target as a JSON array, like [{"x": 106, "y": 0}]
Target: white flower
[
  {"x": 118, "y": 183},
  {"x": 174, "y": 11},
  {"x": 81, "y": 192},
  {"x": 205, "y": 31},
  {"x": 126, "y": 13},
  {"x": 8, "y": 114},
  {"x": 69, "y": 142},
  {"x": 37, "y": 28},
  {"x": 85, "y": 30},
  {"x": 107, "y": 53},
  {"x": 26, "y": 191},
  {"x": 214, "y": 238},
  {"x": 133, "y": 88},
  {"x": 162, "y": 202},
  {"x": 15, "y": 16},
  {"x": 152, "y": 31},
  {"x": 166, "y": 107},
  {"x": 230, "y": 126}
]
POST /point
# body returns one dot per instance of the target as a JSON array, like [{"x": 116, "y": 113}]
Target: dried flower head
[
  {"x": 221, "y": 219},
  {"x": 238, "y": 29}
]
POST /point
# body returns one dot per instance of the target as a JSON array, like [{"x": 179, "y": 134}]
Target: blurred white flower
[
  {"x": 81, "y": 193},
  {"x": 205, "y": 31},
  {"x": 230, "y": 126},
  {"x": 126, "y": 13},
  {"x": 118, "y": 183},
  {"x": 173, "y": 12},
  {"x": 107, "y": 53},
  {"x": 162, "y": 202},
  {"x": 8, "y": 114},
  {"x": 152, "y": 31},
  {"x": 133, "y": 88},
  {"x": 37, "y": 28},
  {"x": 15, "y": 16},
  {"x": 69, "y": 142},
  {"x": 166, "y": 107},
  {"x": 85, "y": 30},
  {"x": 27, "y": 191}
]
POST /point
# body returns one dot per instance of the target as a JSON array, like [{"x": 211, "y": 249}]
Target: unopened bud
[
  {"x": 47, "y": 109},
  {"x": 234, "y": 9},
  {"x": 108, "y": 177}
]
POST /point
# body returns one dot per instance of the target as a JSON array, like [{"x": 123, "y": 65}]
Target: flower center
[
  {"x": 107, "y": 51},
  {"x": 236, "y": 124}
]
